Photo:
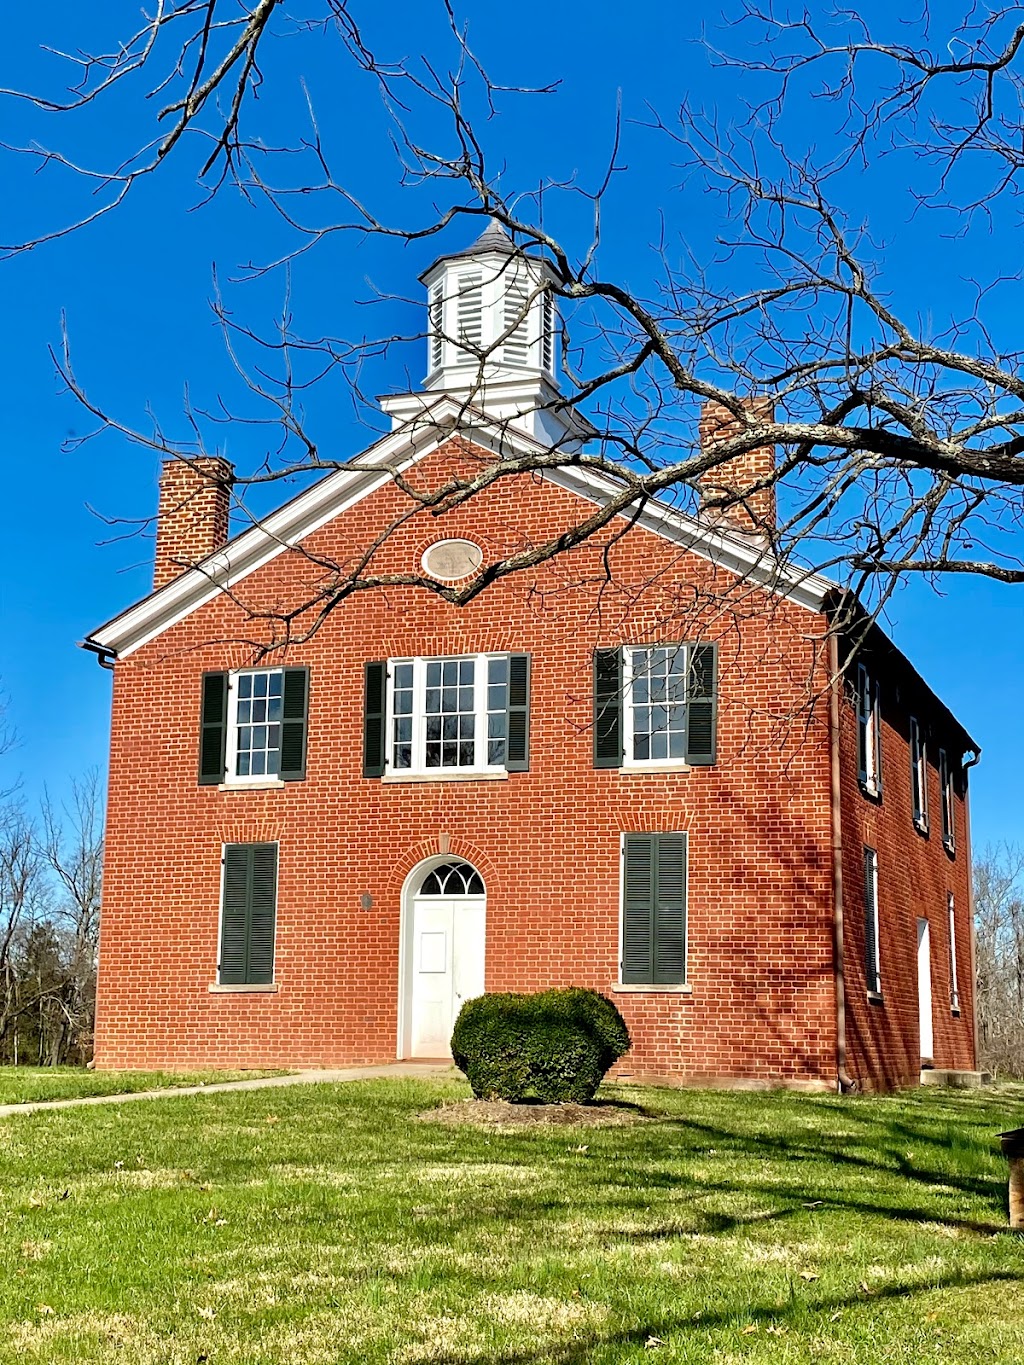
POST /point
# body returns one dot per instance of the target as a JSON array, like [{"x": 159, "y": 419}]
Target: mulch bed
[{"x": 499, "y": 1113}]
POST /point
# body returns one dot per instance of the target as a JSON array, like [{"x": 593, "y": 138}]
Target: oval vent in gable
[{"x": 450, "y": 560}]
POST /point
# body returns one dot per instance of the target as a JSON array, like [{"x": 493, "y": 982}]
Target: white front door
[
  {"x": 924, "y": 989},
  {"x": 446, "y": 968}
]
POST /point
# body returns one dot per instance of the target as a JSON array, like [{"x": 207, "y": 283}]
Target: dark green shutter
[
  {"x": 702, "y": 706},
  {"x": 213, "y": 729},
  {"x": 670, "y": 911},
  {"x": 248, "y": 914},
  {"x": 637, "y": 911},
  {"x": 608, "y": 708},
  {"x": 517, "y": 758},
  {"x": 374, "y": 704},
  {"x": 294, "y": 724},
  {"x": 654, "y": 912},
  {"x": 262, "y": 913},
  {"x": 870, "y": 921}
]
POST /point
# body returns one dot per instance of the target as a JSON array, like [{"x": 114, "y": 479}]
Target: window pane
[
  {"x": 257, "y": 743},
  {"x": 658, "y": 696},
  {"x": 449, "y": 712}
]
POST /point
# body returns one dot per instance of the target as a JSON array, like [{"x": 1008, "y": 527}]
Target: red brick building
[{"x": 631, "y": 767}]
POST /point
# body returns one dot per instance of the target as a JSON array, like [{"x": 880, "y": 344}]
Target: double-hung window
[
  {"x": 463, "y": 715},
  {"x": 919, "y": 775},
  {"x": 869, "y": 733},
  {"x": 872, "y": 955},
  {"x": 655, "y": 704},
  {"x": 954, "y": 983},
  {"x": 946, "y": 790},
  {"x": 253, "y": 726}
]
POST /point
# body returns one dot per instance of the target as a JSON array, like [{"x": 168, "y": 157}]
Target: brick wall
[
  {"x": 547, "y": 841},
  {"x": 915, "y": 876}
]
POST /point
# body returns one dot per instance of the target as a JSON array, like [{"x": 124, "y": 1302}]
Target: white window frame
[
  {"x": 419, "y": 720},
  {"x": 231, "y": 778},
  {"x": 628, "y": 734},
  {"x": 873, "y": 969},
  {"x": 919, "y": 775},
  {"x": 954, "y": 983},
  {"x": 948, "y": 805},
  {"x": 869, "y": 720}
]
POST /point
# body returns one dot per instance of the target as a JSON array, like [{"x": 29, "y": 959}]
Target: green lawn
[
  {"x": 24, "y": 1084},
  {"x": 322, "y": 1224}
]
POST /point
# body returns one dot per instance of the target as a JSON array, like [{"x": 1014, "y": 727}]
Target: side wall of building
[
  {"x": 916, "y": 875},
  {"x": 760, "y": 999}
]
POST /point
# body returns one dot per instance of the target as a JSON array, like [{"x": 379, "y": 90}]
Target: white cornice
[{"x": 429, "y": 428}]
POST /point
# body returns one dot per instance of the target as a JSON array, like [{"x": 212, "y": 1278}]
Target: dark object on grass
[
  {"x": 1013, "y": 1149},
  {"x": 556, "y": 1045}
]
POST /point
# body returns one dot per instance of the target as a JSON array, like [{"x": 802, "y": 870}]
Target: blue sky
[{"x": 135, "y": 290}]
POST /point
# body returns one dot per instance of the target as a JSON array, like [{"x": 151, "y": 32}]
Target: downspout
[
  {"x": 846, "y": 1083},
  {"x": 970, "y": 904},
  {"x": 104, "y": 657}
]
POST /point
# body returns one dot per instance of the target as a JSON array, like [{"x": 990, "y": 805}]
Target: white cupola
[{"x": 491, "y": 340}]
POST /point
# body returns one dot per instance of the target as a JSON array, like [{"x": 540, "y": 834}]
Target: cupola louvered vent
[
  {"x": 436, "y": 310},
  {"x": 470, "y": 303},
  {"x": 547, "y": 329},
  {"x": 517, "y": 343}
]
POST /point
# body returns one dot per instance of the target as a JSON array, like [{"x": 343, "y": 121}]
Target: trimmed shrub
[{"x": 556, "y": 1045}]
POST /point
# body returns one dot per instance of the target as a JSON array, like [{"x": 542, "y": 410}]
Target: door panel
[{"x": 447, "y": 968}]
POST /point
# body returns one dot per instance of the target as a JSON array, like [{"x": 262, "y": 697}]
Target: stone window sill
[
  {"x": 621, "y": 988},
  {"x": 875, "y": 998},
  {"x": 448, "y": 775},
  {"x": 638, "y": 769},
  {"x": 261, "y": 988},
  {"x": 264, "y": 785}
]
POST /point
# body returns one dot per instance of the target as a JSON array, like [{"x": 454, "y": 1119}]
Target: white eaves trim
[{"x": 373, "y": 469}]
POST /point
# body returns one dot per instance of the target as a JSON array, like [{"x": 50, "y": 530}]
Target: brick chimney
[
  {"x": 754, "y": 513},
  {"x": 195, "y": 500}
]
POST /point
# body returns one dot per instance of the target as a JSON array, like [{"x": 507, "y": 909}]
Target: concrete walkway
[{"x": 420, "y": 1070}]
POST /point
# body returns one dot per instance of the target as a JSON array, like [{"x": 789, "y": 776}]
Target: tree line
[
  {"x": 51, "y": 867},
  {"x": 999, "y": 920}
]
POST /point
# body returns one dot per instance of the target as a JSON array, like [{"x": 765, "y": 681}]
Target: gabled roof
[{"x": 373, "y": 468}]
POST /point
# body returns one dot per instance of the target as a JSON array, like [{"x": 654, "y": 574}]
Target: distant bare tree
[
  {"x": 50, "y": 877},
  {"x": 22, "y": 905},
  {"x": 72, "y": 846},
  {"x": 999, "y": 912}
]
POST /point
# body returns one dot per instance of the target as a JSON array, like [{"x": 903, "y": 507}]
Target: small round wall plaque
[{"x": 449, "y": 560}]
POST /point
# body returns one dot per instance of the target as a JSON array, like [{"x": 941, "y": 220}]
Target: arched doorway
[{"x": 444, "y": 932}]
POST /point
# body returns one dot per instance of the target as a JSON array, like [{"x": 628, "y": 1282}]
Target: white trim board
[{"x": 372, "y": 469}]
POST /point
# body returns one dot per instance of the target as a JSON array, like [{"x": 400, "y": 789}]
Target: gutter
[
  {"x": 104, "y": 657},
  {"x": 846, "y": 1082}
]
